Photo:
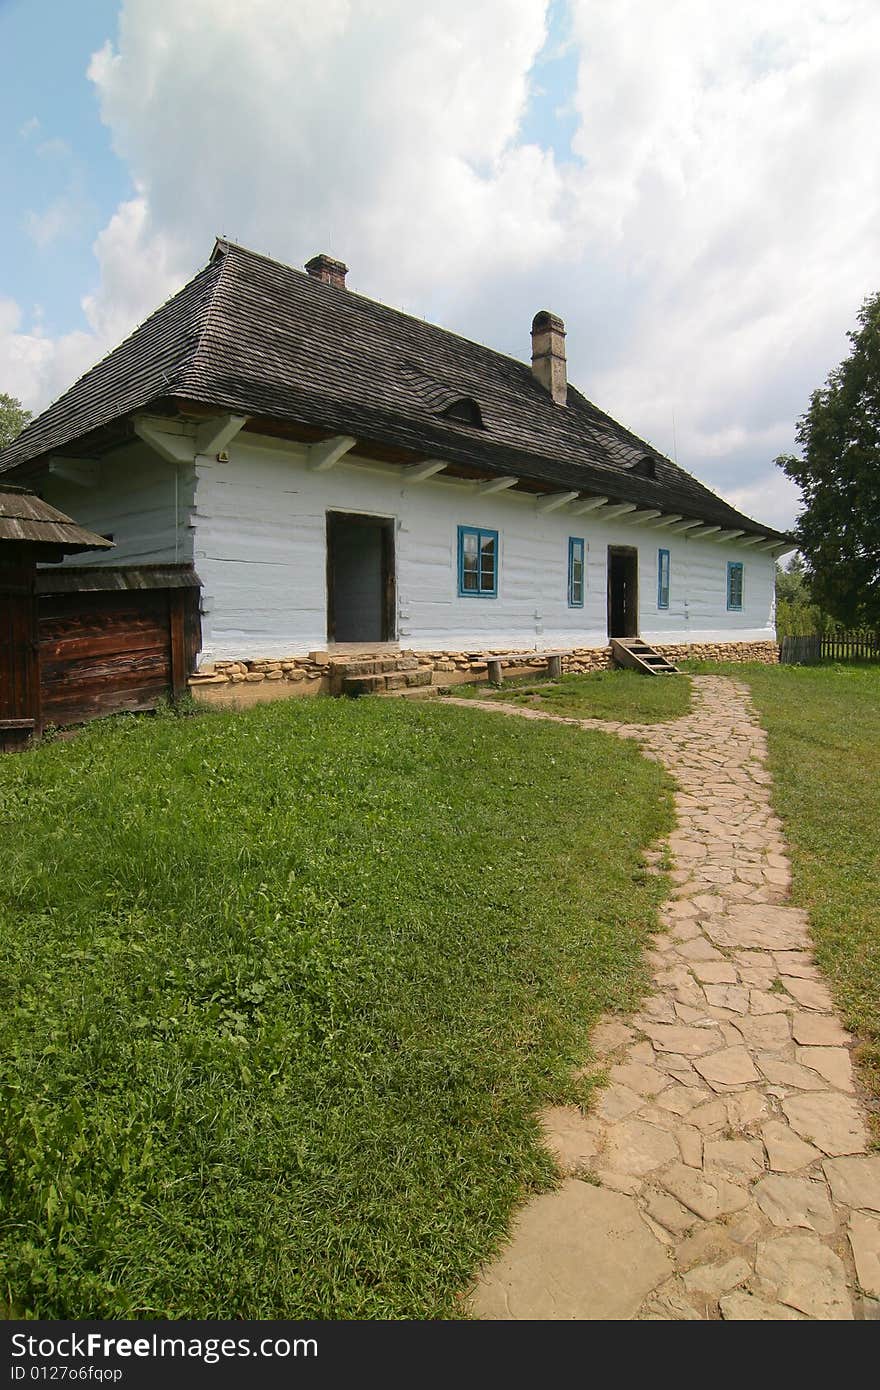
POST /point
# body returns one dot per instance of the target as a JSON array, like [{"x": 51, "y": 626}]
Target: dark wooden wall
[
  {"x": 100, "y": 653},
  {"x": 70, "y": 656},
  {"x": 19, "y": 667}
]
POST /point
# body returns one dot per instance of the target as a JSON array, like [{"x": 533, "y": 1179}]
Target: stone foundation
[
  {"x": 767, "y": 653},
  {"x": 270, "y": 678}
]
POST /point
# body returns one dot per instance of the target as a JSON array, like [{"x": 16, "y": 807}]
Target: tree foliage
[
  {"x": 13, "y": 418},
  {"x": 839, "y": 473},
  {"x": 796, "y": 614}
]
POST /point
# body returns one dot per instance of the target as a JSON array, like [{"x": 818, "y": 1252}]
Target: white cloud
[{"x": 708, "y": 243}]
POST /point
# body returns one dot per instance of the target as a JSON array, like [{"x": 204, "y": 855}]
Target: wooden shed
[
  {"x": 76, "y": 642},
  {"x": 30, "y": 532}
]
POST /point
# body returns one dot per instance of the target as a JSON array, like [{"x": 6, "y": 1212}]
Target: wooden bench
[{"x": 495, "y": 664}]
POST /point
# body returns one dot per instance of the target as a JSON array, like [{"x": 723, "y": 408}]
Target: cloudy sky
[{"x": 694, "y": 187}]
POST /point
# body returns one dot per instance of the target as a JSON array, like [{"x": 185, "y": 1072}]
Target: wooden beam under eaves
[
  {"x": 80, "y": 472},
  {"x": 421, "y": 472},
  {"x": 328, "y": 452},
  {"x": 497, "y": 485},
  {"x": 727, "y": 536},
  {"x": 170, "y": 439},
  {"x": 703, "y": 531},
  {"x": 684, "y": 526},
  {"x": 777, "y": 548},
  {"x": 552, "y": 501},
  {"x": 213, "y": 435},
  {"x": 589, "y": 504},
  {"x": 618, "y": 509},
  {"x": 664, "y": 521},
  {"x": 641, "y": 517},
  {"x": 753, "y": 540}
]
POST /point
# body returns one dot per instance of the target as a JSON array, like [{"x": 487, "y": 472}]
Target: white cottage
[{"x": 345, "y": 478}]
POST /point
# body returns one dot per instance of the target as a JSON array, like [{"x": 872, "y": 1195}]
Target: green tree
[
  {"x": 796, "y": 614},
  {"x": 13, "y": 418},
  {"x": 838, "y": 530}
]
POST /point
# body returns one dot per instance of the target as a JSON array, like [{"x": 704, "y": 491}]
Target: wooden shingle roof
[
  {"x": 252, "y": 336},
  {"x": 25, "y": 517}
]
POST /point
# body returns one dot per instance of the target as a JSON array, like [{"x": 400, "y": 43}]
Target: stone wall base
[{"x": 242, "y": 683}]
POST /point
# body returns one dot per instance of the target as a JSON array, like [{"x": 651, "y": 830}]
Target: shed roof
[
  {"x": 26, "y": 517},
  {"x": 252, "y": 336}
]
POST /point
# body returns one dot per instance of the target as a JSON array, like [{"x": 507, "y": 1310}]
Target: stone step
[
  {"x": 418, "y": 692},
  {"x": 380, "y": 683}
]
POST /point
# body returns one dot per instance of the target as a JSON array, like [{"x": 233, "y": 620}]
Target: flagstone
[
  {"x": 732, "y": 997},
  {"x": 730, "y": 1110},
  {"x": 685, "y": 1041},
  {"x": 714, "y": 972},
  {"x": 741, "y": 1158},
  {"x": 855, "y": 1182},
  {"x": 833, "y": 1063},
  {"x": 609, "y": 1035},
  {"x": 708, "y": 1197},
  {"x": 864, "y": 1239},
  {"x": 767, "y": 1032},
  {"x": 690, "y": 1142},
  {"x": 818, "y": 1030},
  {"x": 745, "y": 1307},
  {"x": 810, "y": 994},
  {"x": 638, "y": 1148},
  {"x": 669, "y": 1213},
  {"x": 616, "y": 1102},
  {"x": 806, "y": 1275},
  {"x": 762, "y": 1001},
  {"x": 799, "y": 963},
  {"x": 732, "y": 1066},
  {"x": 717, "y": 1279},
  {"x": 766, "y": 926},
  {"x": 830, "y": 1121},
  {"x": 645, "y": 1080},
  {"x": 789, "y": 1201},
  {"x": 785, "y": 1151},
  {"x": 791, "y": 1075},
  {"x": 577, "y": 1253}
]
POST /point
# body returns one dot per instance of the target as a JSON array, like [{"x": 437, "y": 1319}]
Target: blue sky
[
  {"x": 694, "y": 188},
  {"x": 55, "y": 152}
]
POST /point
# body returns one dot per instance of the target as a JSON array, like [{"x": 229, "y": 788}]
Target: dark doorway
[
  {"x": 360, "y": 578},
  {"x": 623, "y": 591}
]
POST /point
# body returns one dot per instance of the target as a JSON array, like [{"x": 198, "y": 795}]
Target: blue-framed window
[
  {"x": 662, "y": 578},
  {"x": 576, "y": 572},
  {"x": 734, "y": 584},
  {"x": 477, "y": 562}
]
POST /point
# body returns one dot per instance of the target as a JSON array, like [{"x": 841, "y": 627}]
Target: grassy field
[
  {"x": 824, "y": 727},
  {"x": 282, "y": 991},
  {"x": 623, "y": 696}
]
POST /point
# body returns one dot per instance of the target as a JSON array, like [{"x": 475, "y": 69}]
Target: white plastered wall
[
  {"x": 139, "y": 499},
  {"x": 260, "y": 550}
]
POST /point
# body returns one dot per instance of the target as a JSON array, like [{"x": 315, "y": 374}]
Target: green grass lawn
[
  {"x": 623, "y": 696},
  {"x": 824, "y": 728},
  {"x": 283, "y": 989}
]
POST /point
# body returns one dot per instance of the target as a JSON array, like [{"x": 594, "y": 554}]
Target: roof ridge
[
  {"x": 370, "y": 299},
  {"x": 218, "y": 263}
]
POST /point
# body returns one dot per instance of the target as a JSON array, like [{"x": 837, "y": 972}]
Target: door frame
[
  {"x": 387, "y": 527},
  {"x": 631, "y": 609}
]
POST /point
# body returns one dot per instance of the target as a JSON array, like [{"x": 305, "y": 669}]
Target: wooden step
[{"x": 637, "y": 655}]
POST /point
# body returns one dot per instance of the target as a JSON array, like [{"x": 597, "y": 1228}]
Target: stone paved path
[{"x": 725, "y": 1170}]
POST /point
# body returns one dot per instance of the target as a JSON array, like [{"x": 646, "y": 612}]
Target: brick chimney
[
  {"x": 548, "y": 354},
  {"x": 323, "y": 267}
]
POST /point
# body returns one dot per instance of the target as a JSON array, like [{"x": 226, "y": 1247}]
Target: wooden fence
[
  {"x": 843, "y": 646},
  {"x": 831, "y": 646}
]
